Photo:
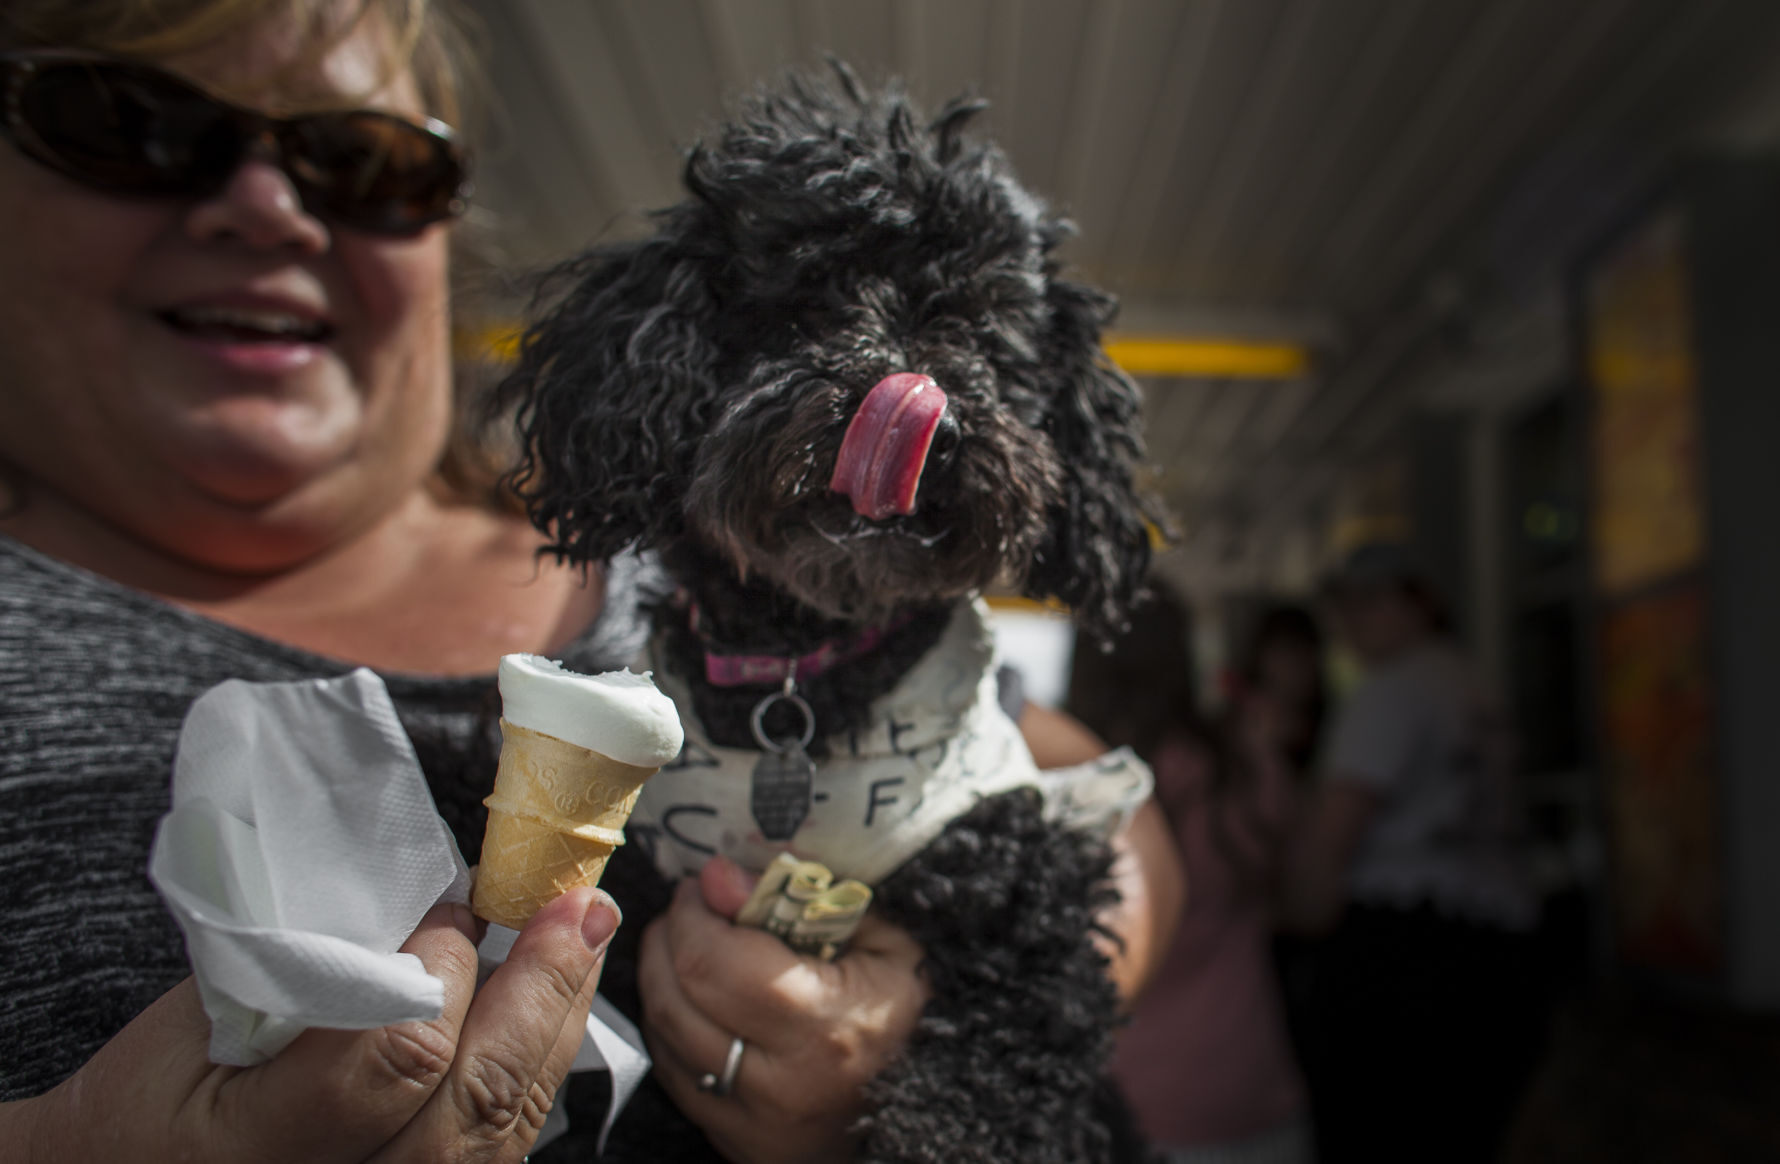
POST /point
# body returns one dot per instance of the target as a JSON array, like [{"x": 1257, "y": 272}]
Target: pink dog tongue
[{"x": 886, "y": 444}]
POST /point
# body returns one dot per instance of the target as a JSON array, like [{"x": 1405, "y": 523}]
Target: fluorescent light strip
[
  {"x": 1208, "y": 358},
  {"x": 1138, "y": 355}
]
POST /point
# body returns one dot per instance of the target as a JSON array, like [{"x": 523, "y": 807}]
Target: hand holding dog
[
  {"x": 816, "y": 1032},
  {"x": 472, "y": 1085}
]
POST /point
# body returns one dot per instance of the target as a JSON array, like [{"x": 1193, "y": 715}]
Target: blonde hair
[
  {"x": 427, "y": 37},
  {"x": 431, "y": 40}
]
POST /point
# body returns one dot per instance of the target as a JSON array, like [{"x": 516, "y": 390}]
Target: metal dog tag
[{"x": 780, "y": 794}]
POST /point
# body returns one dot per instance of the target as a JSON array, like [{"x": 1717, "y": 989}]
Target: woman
[
  {"x": 224, "y": 447},
  {"x": 1205, "y": 1060},
  {"x": 1423, "y": 1013}
]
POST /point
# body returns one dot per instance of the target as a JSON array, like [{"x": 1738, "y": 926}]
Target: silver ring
[{"x": 721, "y": 1086}]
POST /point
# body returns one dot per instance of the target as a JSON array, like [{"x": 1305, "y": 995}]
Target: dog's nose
[
  {"x": 946, "y": 439},
  {"x": 886, "y": 445}
]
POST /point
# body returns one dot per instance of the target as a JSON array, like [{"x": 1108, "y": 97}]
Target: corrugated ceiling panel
[
  {"x": 862, "y": 32},
  {"x": 1145, "y": 205},
  {"x": 1512, "y": 124},
  {"x": 1050, "y": 34},
  {"x": 1402, "y": 62},
  {"x": 955, "y": 48},
  {"x": 575, "y": 48},
  {"x": 1463, "y": 82},
  {"x": 1311, "y": 63},
  {"x": 1128, "y": 51},
  {"x": 1280, "y": 75},
  {"x": 1518, "y": 48},
  {"x": 671, "y": 70},
  {"x": 763, "y": 34},
  {"x": 1240, "y": 34},
  {"x": 533, "y": 181},
  {"x": 1216, "y": 434}
]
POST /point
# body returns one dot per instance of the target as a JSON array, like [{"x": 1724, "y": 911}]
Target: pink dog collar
[{"x": 726, "y": 670}]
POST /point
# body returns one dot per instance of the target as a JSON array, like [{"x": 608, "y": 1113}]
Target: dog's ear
[
  {"x": 613, "y": 387},
  {"x": 1097, "y": 550}
]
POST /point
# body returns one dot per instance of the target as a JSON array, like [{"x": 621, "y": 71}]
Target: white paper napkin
[{"x": 301, "y": 850}]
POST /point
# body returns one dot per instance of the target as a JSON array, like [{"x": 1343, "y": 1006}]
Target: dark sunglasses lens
[
  {"x": 128, "y": 129},
  {"x": 373, "y": 171}
]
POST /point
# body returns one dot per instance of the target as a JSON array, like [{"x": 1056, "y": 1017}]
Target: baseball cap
[{"x": 1375, "y": 564}]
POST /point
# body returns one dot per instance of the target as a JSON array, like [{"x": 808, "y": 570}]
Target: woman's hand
[
  {"x": 472, "y": 1085},
  {"x": 815, "y": 1033}
]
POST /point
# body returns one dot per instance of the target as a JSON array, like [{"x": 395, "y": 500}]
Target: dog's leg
[{"x": 1008, "y": 1061}]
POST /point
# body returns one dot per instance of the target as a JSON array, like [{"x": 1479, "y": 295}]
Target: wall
[{"x": 1735, "y": 237}]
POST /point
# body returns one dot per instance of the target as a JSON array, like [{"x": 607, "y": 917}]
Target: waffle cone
[{"x": 556, "y": 813}]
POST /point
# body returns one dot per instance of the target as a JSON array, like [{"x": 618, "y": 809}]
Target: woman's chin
[
  {"x": 256, "y": 486},
  {"x": 253, "y": 466}
]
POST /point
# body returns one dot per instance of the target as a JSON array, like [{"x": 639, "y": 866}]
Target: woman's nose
[{"x": 258, "y": 206}]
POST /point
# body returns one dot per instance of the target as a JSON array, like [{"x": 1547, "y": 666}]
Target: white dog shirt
[{"x": 936, "y": 744}]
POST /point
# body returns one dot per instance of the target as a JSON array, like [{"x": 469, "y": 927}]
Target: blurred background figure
[
  {"x": 1275, "y": 697},
  {"x": 1424, "y": 1014},
  {"x": 1205, "y": 1059},
  {"x": 1276, "y": 688}
]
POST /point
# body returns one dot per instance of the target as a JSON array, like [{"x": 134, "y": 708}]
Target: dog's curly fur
[{"x": 687, "y": 393}]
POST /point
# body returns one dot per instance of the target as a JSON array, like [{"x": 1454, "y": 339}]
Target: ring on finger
[{"x": 722, "y": 1085}]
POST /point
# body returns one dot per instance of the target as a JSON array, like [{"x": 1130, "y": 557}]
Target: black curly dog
[{"x": 689, "y": 394}]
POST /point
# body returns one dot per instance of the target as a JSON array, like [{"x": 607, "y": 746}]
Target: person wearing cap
[{"x": 1423, "y": 1014}]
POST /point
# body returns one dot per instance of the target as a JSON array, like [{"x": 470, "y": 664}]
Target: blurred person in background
[
  {"x": 1205, "y": 1060},
  {"x": 1423, "y": 1017},
  {"x": 1277, "y": 685},
  {"x": 1275, "y": 698}
]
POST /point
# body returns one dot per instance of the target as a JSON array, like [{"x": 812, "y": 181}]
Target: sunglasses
[{"x": 130, "y": 128}]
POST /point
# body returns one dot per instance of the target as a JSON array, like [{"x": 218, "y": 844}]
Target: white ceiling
[{"x": 1348, "y": 174}]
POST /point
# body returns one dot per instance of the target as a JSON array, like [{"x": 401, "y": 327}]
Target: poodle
[{"x": 842, "y": 390}]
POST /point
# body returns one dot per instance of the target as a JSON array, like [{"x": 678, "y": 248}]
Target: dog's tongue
[{"x": 886, "y": 445}]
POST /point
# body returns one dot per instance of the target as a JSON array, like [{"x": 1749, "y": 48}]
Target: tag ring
[{"x": 757, "y": 722}]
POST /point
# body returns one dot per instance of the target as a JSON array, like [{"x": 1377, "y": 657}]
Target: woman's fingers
[
  {"x": 725, "y": 886},
  {"x": 517, "y": 1040},
  {"x": 331, "y": 1095},
  {"x": 473, "y": 1084},
  {"x": 814, "y": 1032},
  {"x": 750, "y": 1124},
  {"x": 684, "y": 1042},
  {"x": 336, "y": 1094},
  {"x": 747, "y": 981}
]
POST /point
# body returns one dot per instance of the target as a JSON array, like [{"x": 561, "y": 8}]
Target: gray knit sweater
[{"x": 95, "y": 680}]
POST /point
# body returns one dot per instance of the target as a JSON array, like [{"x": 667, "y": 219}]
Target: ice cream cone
[
  {"x": 560, "y": 797},
  {"x": 556, "y": 813}
]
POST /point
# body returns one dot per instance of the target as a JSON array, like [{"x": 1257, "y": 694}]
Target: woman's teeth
[{"x": 243, "y": 324}]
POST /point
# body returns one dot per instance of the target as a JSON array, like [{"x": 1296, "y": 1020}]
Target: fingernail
[{"x": 600, "y": 921}]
